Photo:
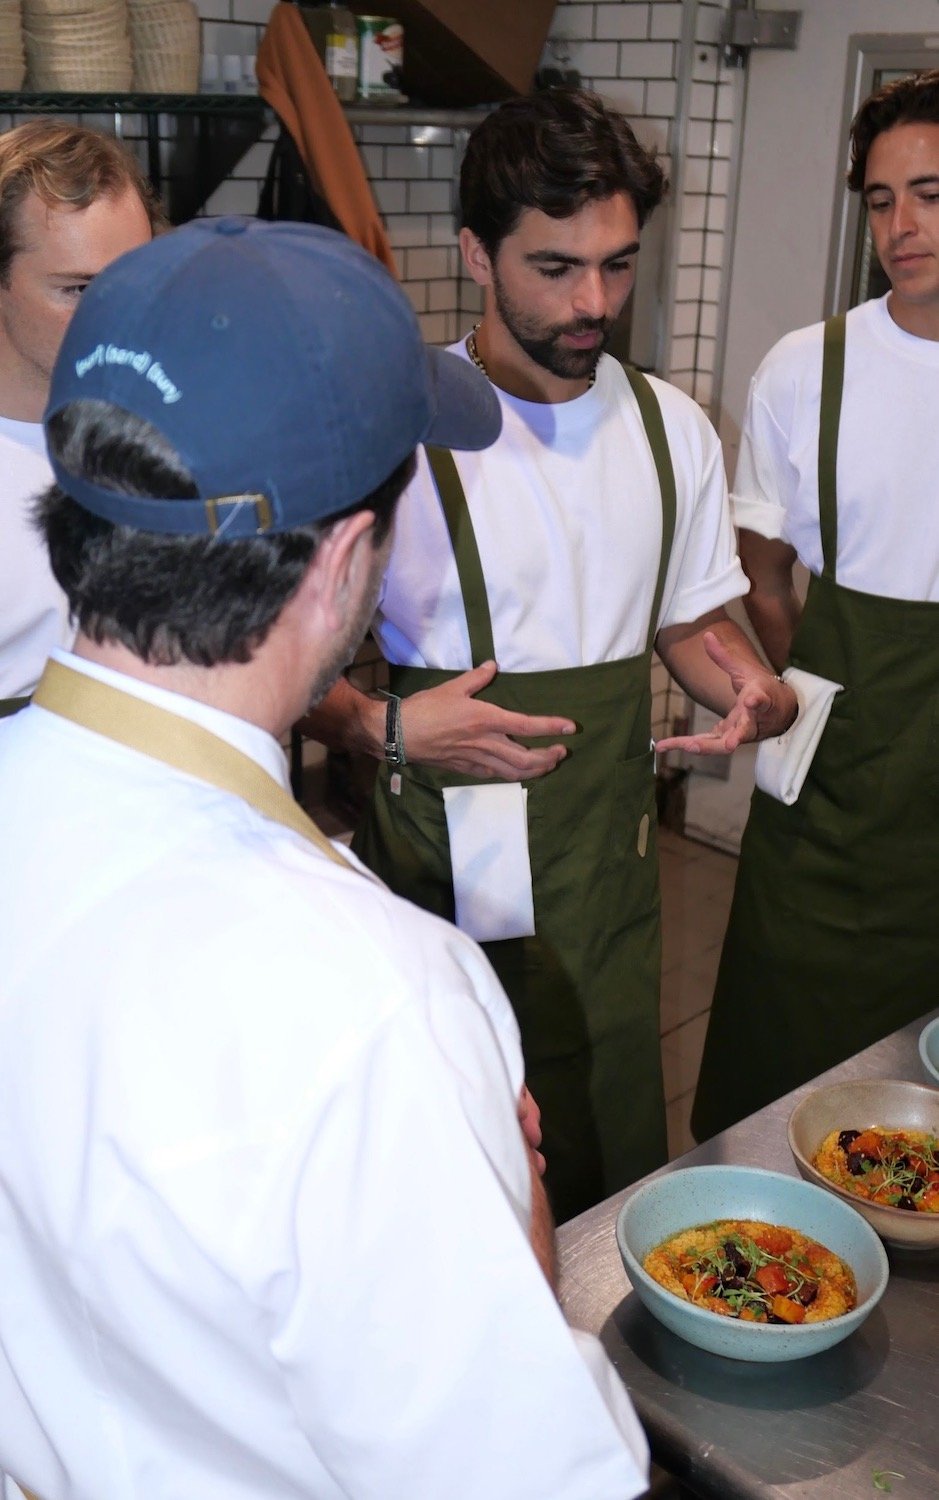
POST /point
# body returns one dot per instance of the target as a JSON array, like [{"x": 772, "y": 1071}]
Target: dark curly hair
[
  {"x": 555, "y": 151},
  {"x": 170, "y": 598},
  {"x": 906, "y": 101}
]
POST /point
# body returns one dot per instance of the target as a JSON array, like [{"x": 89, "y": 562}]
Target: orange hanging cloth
[{"x": 293, "y": 81}]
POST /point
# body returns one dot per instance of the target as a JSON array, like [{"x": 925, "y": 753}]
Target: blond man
[{"x": 71, "y": 201}]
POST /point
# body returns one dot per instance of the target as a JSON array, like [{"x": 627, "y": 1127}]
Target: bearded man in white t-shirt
[
  {"x": 835, "y": 903},
  {"x": 71, "y": 201},
  {"x": 525, "y": 592}
]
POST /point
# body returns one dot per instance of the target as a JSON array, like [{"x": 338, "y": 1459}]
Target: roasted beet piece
[
  {"x": 857, "y": 1162},
  {"x": 737, "y": 1258},
  {"x": 846, "y": 1137}
]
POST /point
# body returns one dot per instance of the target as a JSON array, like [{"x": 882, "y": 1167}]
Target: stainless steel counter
[{"x": 821, "y": 1427}]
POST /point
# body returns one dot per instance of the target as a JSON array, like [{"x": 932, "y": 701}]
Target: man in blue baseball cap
[{"x": 267, "y": 1216}]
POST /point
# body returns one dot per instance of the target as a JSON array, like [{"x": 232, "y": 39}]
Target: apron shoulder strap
[
  {"x": 829, "y": 420},
  {"x": 177, "y": 742},
  {"x": 9, "y": 706},
  {"x": 651, "y": 414},
  {"x": 463, "y": 541}
]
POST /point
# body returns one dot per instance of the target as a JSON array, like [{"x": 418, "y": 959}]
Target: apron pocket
[
  {"x": 799, "y": 871},
  {"x": 402, "y": 836}
]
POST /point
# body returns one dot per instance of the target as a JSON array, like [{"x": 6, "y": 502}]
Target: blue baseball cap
[{"x": 281, "y": 361}]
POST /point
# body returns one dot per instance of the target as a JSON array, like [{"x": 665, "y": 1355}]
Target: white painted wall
[{"x": 793, "y": 151}]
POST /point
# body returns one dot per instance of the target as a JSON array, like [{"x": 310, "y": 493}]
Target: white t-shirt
[
  {"x": 29, "y": 435},
  {"x": 33, "y": 609},
  {"x": 888, "y": 455},
  {"x": 567, "y": 516},
  {"x": 263, "y": 1198}
]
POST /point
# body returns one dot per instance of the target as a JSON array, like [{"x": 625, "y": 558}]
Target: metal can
[{"x": 381, "y": 59}]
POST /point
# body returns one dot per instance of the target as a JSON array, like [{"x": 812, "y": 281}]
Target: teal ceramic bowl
[
  {"x": 929, "y": 1049},
  {"x": 698, "y": 1195}
]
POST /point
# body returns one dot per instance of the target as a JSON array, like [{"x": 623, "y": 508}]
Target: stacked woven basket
[
  {"x": 12, "y": 57},
  {"x": 77, "y": 44},
  {"x": 164, "y": 37},
  {"x": 100, "y": 46}
]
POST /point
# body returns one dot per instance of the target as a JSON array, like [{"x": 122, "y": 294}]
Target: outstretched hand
[
  {"x": 449, "y": 727},
  {"x": 764, "y": 706}
]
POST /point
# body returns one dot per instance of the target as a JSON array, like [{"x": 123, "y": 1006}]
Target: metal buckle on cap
[{"x": 262, "y": 508}]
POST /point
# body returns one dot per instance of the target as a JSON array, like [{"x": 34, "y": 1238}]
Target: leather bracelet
[{"x": 394, "y": 736}]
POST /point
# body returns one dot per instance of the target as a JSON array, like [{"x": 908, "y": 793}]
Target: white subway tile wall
[{"x": 713, "y": 104}]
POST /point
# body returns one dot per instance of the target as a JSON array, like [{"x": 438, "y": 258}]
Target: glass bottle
[{"x": 333, "y": 30}]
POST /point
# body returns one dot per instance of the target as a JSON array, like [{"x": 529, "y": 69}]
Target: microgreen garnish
[
  {"x": 732, "y": 1266},
  {"x": 901, "y": 1170},
  {"x": 882, "y": 1478}
]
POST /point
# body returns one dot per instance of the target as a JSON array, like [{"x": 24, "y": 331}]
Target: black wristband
[{"x": 394, "y": 738}]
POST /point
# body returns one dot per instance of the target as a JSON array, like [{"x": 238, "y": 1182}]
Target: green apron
[
  {"x": 585, "y": 988},
  {"x": 10, "y": 706},
  {"x": 833, "y": 939}
]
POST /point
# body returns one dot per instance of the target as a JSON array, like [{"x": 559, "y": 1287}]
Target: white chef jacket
[
  {"x": 33, "y": 609},
  {"x": 567, "y": 515},
  {"x": 888, "y": 454},
  {"x": 263, "y": 1197}
]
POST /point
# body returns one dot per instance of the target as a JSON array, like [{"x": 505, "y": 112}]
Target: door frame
[{"x": 869, "y": 56}]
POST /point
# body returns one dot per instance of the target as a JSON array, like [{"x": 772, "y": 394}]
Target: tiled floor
[{"x": 697, "y": 884}]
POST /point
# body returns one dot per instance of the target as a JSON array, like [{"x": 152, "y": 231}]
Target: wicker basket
[
  {"x": 43, "y": 10},
  {"x": 100, "y": 27},
  {"x": 12, "y": 71},
  {"x": 164, "y": 36},
  {"x": 87, "y": 49},
  {"x": 12, "y": 54}
]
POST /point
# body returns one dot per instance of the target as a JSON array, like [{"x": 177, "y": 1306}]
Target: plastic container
[
  {"x": 231, "y": 73},
  {"x": 211, "y": 76}
]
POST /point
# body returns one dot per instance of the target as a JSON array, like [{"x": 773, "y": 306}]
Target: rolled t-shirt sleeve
[{"x": 765, "y": 474}]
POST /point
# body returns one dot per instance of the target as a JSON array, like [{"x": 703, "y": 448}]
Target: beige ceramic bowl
[{"x": 892, "y": 1103}]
